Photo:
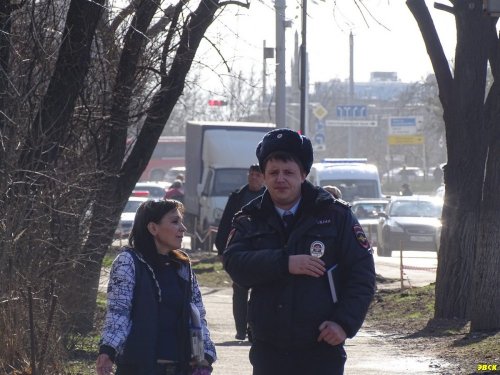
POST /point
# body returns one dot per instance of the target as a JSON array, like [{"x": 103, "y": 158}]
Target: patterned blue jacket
[{"x": 121, "y": 306}]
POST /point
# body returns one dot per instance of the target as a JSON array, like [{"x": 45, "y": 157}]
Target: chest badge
[{"x": 317, "y": 249}]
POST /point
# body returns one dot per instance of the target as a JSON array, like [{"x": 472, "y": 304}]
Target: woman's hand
[{"x": 104, "y": 365}]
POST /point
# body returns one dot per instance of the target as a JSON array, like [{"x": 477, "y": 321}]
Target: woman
[{"x": 150, "y": 293}]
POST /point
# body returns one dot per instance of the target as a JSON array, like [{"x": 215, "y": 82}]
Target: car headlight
[{"x": 395, "y": 227}]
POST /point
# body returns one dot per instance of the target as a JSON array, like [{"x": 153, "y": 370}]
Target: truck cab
[{"x": 218, "y": 155}]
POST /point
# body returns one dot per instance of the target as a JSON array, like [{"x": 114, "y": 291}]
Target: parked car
[
  {"x": 440, "y": 191},
  {"x": 127, "y": 217},
  {"x": 367, "y": 210},
  {"x": 410, "y": 223},
  {"x": 156, "y": 190}
]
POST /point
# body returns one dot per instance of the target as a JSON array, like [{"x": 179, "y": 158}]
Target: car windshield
[
  {"x": 367, "y": 210},
  {"x": 132, "y": 206},
  {"x": 228, "y": 180},
  {"x": 415, "y": 209},
  {"x": 352, "y": 189}
]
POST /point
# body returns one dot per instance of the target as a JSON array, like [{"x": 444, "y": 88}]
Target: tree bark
[
  {"x": 485, "y": 300},
  {"x": 49, "y": 128},
  {"x": 462, "y": 98}
]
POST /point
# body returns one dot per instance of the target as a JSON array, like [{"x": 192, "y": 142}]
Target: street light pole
[
  {"x": 303, "y": 71},
  {"x": 280, "y": 6}
]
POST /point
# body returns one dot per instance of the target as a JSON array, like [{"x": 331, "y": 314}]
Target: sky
[{"x": 386, "y": 38}]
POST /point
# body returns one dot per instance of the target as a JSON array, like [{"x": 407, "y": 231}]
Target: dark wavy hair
[{"x": 141, "y": 240}]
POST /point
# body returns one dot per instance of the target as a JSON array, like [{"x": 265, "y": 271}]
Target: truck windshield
[
  {"x": 353, "y": 189},
  {"x": 228, "y": 180}
]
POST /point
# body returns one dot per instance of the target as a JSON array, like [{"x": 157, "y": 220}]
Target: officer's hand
[
  {"x": 104, "y": 365},
  {"x": 305, "y": 265},
  {"x": 331, "y": 333}
]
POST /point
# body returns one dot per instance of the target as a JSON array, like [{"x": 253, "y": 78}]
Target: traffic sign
[
  {"x": 319, "y": 139},
  {"x": 355, "y": 123},
  {"x": 405, "y": 125},
  {"x": 351, "y": 111},
  {"x": 405, "y": 139},
  {"x": 320, "y": 112}
]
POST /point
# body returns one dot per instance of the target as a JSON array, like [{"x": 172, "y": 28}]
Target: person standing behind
[
  {"x": 237, "y": 199},
  {"x": 406, "y": 190},
  {"x": 281, "y": 246},
  {"x": 152, "y": 292},
  {"x": 175, "y": 191}
]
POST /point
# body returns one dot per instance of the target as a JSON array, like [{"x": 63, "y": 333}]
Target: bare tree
[
  {"x": 82, "y": 78},
  {"x": 468, "y": 278}
]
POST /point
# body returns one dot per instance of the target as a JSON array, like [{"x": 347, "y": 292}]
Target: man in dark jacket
[
  {"x": 237, "y": 199},
  {"x": 285, "y": 246}
]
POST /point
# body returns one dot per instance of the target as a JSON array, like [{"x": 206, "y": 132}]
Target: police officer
[
  {"x": 282, "y": 246},
  {"x": 237, "y": 199}
]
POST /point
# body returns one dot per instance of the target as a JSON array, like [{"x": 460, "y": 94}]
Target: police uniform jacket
[
  {"x": 287, "y": 310},
  {"x": 234, "y": 203}
]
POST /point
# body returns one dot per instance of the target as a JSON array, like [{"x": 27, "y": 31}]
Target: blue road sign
[
  {"x": 319, "y": 139},
  {"x": 404, "y": 121},
  {"x": 351, "y": 111}
]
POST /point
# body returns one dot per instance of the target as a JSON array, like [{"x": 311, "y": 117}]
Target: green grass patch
[{"x": 209, "y": 271}]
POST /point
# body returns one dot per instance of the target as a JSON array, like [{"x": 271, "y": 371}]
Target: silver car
[
  {"x": 410, "y": 223},
  {"x": 366, "y": 211}
]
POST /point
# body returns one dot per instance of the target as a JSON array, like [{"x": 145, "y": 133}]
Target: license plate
[{"x": 421, "y": 238}]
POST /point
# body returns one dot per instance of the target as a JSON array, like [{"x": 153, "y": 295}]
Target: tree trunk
[
  {"x": 49, "y": 128},
  {"x": 462, "y": 98},
  {"x": 117, "y": 191},
  {"x": 485, "y": 301}
]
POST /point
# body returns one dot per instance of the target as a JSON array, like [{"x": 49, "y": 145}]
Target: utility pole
[
  {"x": 304, "y": 84},
  {"x": 351, "y": 91},
  {"x": 267, "y": 53},
  {"x": 280, "y": 6}
]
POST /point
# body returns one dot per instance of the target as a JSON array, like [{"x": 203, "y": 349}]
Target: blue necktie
[{"x": 287, "y": 219}]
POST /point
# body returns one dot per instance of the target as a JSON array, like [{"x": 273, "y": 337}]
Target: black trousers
[
  {"x": 240, "y": 308},
  {"x": 320, "y": 359}
]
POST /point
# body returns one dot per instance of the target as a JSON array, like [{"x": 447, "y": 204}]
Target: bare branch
[
  {"x": 219, "y": 53},
  {"x": 444, "y": 7},
  {"x": 233, "y": 2},
  {"x": 159, "y": 26},
  {"x": 434, "y": 49},
  {"x": 124, "y": 13}
]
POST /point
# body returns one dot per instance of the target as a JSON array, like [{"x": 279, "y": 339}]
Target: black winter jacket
[
  {"x": 234, "y": 203},
  {"x": 287, "y": 310}
]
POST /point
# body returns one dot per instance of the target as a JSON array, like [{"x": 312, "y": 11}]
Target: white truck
[
  {"x": 218, "y": 155},
  {"x": 354, "y": 177}
]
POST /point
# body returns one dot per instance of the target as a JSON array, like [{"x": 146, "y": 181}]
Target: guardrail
[
  {"x": 403, "y": 267},
  {"x": 208, "y": 235}
]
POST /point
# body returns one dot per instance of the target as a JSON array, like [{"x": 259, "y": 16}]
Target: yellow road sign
[
  {"x": 319, "y": 111},
  {"x": 405, "y": 139}
]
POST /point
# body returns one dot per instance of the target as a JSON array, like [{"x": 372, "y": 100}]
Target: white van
[{"x": 354, "y": 177}]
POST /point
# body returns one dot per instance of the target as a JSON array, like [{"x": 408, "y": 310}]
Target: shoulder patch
[
  {"x": 342, "y": 202},
  {"x": 360, "y": 236}
]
